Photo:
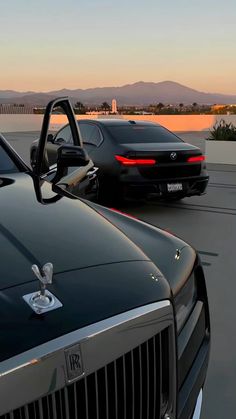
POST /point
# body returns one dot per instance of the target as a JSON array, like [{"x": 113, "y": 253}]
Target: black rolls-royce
[{"x": 102, "y": 315}]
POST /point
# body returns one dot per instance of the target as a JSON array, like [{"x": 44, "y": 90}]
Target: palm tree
[
  {"x": 79, "y": 107},
  {"x": 159, "y": 107},
  {"x": 105, "y": 107}
]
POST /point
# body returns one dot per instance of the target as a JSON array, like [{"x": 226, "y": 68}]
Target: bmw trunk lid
[{"x": 171, "y": 160}]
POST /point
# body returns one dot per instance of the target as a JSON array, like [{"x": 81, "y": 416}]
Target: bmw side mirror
[{"x": 72, "y": 156}]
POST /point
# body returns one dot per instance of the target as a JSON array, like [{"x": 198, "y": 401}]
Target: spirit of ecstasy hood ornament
[
  {"x": 45, "y": 276},
  {"x": 43, "y": 300}
]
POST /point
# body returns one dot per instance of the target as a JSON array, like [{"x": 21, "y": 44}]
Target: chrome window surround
[{"x": 42, "y": 370}]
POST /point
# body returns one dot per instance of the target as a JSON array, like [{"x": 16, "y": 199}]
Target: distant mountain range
[{"x": 140, "y": 93}]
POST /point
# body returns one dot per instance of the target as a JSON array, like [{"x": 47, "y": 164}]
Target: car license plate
[{"x": 174, "y": 187}]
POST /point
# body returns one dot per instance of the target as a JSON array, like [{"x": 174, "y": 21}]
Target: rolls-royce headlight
[{"x": 185, "y": 301}]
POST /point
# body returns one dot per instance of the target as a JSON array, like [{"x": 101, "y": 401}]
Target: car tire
[{"x": 110, "y": 193}]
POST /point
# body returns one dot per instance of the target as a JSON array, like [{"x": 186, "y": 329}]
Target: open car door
[{"x": 72, "y": 168}]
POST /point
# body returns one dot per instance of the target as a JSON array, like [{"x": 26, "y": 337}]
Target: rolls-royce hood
[
  {"x": 87, "y": 296},
  {"x": 56, "y": 229},
  {"x": 173, "y": 256}
]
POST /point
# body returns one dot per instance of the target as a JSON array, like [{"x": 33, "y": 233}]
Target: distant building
[
  {"x": 95, "y": 113},
  {"x": 114, "y": 106},
  {"x": 9, "y": 108},
  {"x": 219, "y": 107}
]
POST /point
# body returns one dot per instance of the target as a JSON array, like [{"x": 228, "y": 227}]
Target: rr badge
[{"x": 74, "y": 363}]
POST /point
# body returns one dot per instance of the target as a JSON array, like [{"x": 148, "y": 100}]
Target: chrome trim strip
[
  {"x": 124, "y": 374},
  {"x": 189, "y": 328},
  {"x": 92, "y": 172},
  {"x": 42, "y": 369},
  {"x": 154, "y": 377},
  {"x": 39, "y": 352},
  {"x": 75, "y": 174},
  {"x": 198, "y": 407}
]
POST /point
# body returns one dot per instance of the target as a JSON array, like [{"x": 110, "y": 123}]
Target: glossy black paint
[
  {"x": 117, "y": 180},
  {"x": 98, "y": 271},
  {"x": 142, "y": 180},
  {"x": 105, "y": 263},
  {"x": 40, "y": 225},
  {"x": 20, "y": 164},
  {"x": 156, "y": 244},
  {"x": 88, "y": 295}
]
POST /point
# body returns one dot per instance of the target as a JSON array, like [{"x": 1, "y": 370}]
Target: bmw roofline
[{"x": 119, "y": 121}]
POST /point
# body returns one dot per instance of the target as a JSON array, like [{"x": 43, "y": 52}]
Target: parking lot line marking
[
  {"x": 221, "y": 185},
  {"x": 209, "y": 206},
  {"x": 208, "y": 253},
  {"x": 202, "y": 209},
  {"x": 206, "y": 264}
]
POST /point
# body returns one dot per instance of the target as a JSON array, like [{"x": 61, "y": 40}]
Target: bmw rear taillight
[
  {"x": 124, "y": 161},
  {"x": 195, "y": 159}
]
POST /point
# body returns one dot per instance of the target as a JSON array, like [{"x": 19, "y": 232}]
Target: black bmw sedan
[{"x": 137, "y": 159}]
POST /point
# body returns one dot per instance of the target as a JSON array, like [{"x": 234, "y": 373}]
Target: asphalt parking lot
[{"x": 209, "y": 224}]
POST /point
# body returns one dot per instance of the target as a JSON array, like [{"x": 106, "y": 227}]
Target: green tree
[
  {"x": 105, "y": 107},
  {"x": 79, "y": 108},
  {"x": 159, "y": 107},
  {"x": 223, "y": 131}
]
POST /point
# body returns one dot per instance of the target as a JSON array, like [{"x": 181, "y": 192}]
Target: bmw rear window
[{"x": 125, "y": 134}]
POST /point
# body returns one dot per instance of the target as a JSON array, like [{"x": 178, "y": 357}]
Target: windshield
[
  {"x": 126, "y": 134},
  {"x": 6, "y": 163}
]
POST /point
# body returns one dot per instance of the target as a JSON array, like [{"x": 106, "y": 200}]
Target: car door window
[
  {"x": 90, "y": 134},
  {"x": 6, "y": 163},
  {"x": 64, "y": 136}
]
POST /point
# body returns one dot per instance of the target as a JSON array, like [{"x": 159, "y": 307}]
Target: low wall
[
  {"x": 15, "y": 123},
  {"x": 19, "y": 123},
  {"x": 191, "y": 128},
  {"x": 172, "y": 122},
  {"x": 223, "y": 152}
]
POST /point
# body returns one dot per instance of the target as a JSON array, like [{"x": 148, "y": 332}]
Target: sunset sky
[{"x": 49, "y": 44}]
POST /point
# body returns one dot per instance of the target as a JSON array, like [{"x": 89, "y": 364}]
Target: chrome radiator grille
[{"x": 136, "y": 385}]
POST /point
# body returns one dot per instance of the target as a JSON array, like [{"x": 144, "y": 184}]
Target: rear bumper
[{"x": 141, "y": 187}]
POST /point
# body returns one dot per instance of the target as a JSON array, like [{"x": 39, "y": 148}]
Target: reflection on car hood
[
  {"x": 67, "y": 233},
  {"x": 87, "y": 296}
]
